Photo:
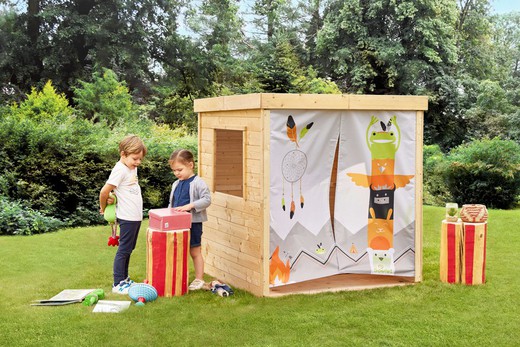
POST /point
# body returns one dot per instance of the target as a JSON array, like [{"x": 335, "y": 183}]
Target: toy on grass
[
  {"x": 110, "y": 217},
  {"x": 221, "y": 289},
  {"x": 94, "y": 297},
  {"x": 141, "y": 293}
]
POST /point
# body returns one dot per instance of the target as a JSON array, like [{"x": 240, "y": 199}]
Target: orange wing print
[
  {"x": 360, "y": 179},
  {"x": 402, "y": 180}
]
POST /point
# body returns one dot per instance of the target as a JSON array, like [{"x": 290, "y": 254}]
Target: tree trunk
[{"x": 33, "y": 33}]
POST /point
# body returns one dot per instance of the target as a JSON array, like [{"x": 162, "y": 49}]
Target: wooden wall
[{"x": 233, "y": 236}]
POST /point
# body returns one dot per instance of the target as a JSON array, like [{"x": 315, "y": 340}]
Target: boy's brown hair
[
  {"x": 182, "y": 155},
  {"x": 132, "y": 144}
]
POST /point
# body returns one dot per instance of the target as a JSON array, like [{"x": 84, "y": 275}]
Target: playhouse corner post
[
  {"x": 419, "y": 133},
  {"x": 266, "y": 202}
]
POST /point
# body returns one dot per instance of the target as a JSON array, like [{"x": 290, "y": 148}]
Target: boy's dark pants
[{"x": 128, "y": 232}]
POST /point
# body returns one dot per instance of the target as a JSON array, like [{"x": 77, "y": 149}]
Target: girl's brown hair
[{"x": 182, "y": 155}]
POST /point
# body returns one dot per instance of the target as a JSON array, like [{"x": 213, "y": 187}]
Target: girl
[{"x": 191, "y": 194}]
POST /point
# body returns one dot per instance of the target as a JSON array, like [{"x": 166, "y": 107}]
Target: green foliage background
[
  {"x": 54, "y": 161},
  {"x": 484, "y": 171},
  {"x": 77, "y": 76},
  {"x": 168, "y": 53}
]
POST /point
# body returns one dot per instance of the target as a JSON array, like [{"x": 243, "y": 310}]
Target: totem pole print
[{"x": 383, "y": 143}]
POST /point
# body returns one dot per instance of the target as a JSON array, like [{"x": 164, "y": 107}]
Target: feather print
[
  {"x": 302, "y": 200},
  {"x": 305, "y": 130},
  {"x": 283, "y": 195},
  {"x": 291, "y": 130}
]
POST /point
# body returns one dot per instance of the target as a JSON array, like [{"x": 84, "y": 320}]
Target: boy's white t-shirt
[{"x": 128, "y": 192}]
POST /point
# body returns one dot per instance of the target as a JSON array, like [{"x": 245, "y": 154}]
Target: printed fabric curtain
[{"x": 373, "y": 228}]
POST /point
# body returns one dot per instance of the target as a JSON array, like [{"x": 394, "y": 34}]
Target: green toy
[
  {"x": 110, "y": 217},
  {"x": 94, "y": 297},
  {"x": 110, "y": 210}
]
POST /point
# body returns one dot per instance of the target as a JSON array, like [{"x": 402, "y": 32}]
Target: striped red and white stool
[
  {"x": 474, "y": 253},
  {"x": 167, "y": 255},
  {"x": 451, "y": 251}
]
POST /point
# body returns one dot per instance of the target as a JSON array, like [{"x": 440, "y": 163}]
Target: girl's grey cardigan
[{"x": 199, "y": 197}]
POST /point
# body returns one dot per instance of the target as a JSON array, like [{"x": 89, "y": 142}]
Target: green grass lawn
[{"x": 430, "y": 313}]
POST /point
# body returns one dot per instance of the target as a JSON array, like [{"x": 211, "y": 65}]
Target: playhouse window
[{"x": 229, "y": 162}]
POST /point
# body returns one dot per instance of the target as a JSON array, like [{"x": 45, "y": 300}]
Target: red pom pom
[{"x": 113, "y": 241}]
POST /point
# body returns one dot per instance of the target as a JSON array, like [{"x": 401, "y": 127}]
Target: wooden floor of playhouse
[{"x": 341, "y": 282}]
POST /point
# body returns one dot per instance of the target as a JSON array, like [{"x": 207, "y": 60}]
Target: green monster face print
[{"x": 383, "y": 144}]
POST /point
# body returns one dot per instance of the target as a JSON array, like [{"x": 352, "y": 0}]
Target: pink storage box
[{"x": 166, "y": 219}]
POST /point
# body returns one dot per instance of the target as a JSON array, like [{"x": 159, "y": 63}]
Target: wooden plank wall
[{"x": 233, "y": 236}]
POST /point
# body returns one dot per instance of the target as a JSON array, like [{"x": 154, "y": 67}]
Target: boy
[{"x": 129, "y": 210}]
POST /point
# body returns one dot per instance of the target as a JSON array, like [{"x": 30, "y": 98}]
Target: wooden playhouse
[{"x": 312, "y": 192}]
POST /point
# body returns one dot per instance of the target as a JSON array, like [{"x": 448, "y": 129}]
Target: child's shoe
[
  {"x": 121, "y": 288},
  {"x": 128, "y": 280},
  {"x": 196, "y": 284}
]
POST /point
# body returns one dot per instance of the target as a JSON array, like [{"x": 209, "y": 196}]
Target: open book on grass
[{"x": 65, "y": 297}]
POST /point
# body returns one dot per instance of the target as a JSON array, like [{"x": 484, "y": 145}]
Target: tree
[
  {"x": 445, "y": 124},
  {"x": 20, "y": 65},
  {"x": 105, "y": 99},
  {"x": 312, "y": 28},
  {"x": 65, "y": 39},
  {"x": 474, "y": 30},
  {"x": 506, "y": 40},
  {"x": 280, "y": 70},
  {"x": 275, "y": 18},
  {"x": 268, "y": 12},
  {"x": 278, "y": 67},
  {"x": 386, "y": 46},
  {"x": 219, "y": 29}
]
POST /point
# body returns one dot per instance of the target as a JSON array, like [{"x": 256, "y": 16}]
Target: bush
[
  {"x": 57, "y": 163},
  {"x": 485, "y": 172},
  {"x": 43, "y": 105},
  {"x": 436, "y": 191},
  {"x": 16, "y": 219}
]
